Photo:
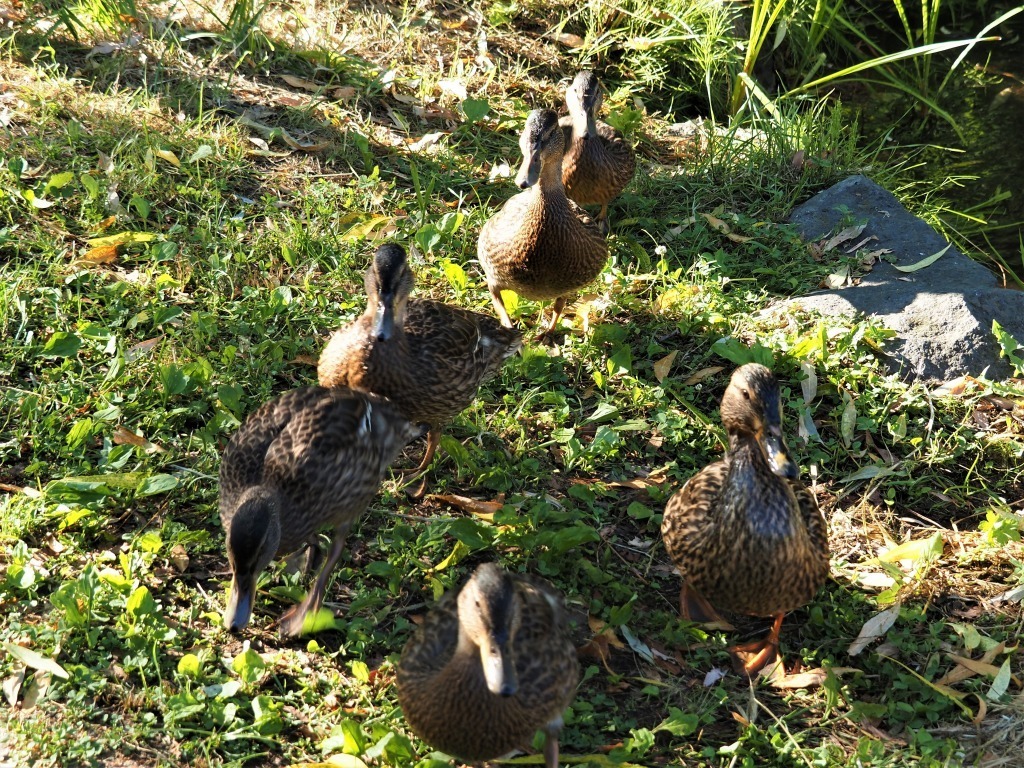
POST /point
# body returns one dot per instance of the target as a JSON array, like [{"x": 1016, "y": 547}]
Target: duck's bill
[
  {"x": 384, "y": 321},
  {"x": 239, "y": 609},
  {"x": 778, "y": 457},
  {"x": 529, "y": 171},
  {"x": 499, "y": 670}
]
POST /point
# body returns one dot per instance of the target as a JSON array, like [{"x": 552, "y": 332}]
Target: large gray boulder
[{"x": 942, "y": 313}]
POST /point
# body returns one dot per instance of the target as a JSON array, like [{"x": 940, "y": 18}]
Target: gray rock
[{"x": 942, "y": 314}]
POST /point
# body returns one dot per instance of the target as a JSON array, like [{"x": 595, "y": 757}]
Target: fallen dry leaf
[
  {"x": 27, "y": 490},
  {"x": 663, "y": 366},
  {"x": 123, "y": 436},
  {"x": 569, "y": 40},
  {"x": 600, "y": 645},
  {"x": 299, "y": 82},
  {"x": 702, "y": 374},
  {"x": 874, "y": 628},
  {"x": 478, "y": 507},
  {"x": 167, "y": 156},
  {"x": 344, "y": 93},
  {"x": 843, "y": 236},
  {"x": 104, "y": 254},
  {"x": 135, "y": 351},
  {"x": 179, "y": 558},
  {"x": 720, "y": 226}
]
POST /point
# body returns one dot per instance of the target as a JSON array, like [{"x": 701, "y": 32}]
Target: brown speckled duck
[
  {"x": 744, "y": 533},
  {"x": 540, "y": 244},
  {"x": 309, "y": 459},
  {"x": 489, "y": 667},
  {"x": 426, "y": 357},
  {"x": 598, "y": 162}
]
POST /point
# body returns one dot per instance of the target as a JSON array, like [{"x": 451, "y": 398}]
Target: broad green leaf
[
  {"x": 459, "y": 551},
  {"x": 62, "y": 344},
  {"x": 360, "y": 671},
  {"x": 456, "y": 275},
  {"x": 140, "y": 603},
  {"x": 189, "y": 665},
  {"x": 678, "y": 723},
  {"x": 35, "y": 660},
  {"x": 154, "y": 484},
  {"x": 475, "y": 109},
  {"x": 248, "y": 665},
  {"x": 150, "y": 542},
  {"x": 92, "y": 187},
  {"x": 60, "y": 180},
  {"x": 321, "y": 620}
]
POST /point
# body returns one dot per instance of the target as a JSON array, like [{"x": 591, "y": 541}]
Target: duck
[
  {"x": 427, "y": 357},
  {"x": 489, "y": 666},
  {"x": 540, "y": 244},
  {"x": 744, "y": 533},
  {"x": 598, "y": 163},
  {"x": 309, "y": 459}
]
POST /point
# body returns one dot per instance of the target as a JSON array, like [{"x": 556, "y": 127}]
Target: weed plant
[{"x": 181, "y": 226}]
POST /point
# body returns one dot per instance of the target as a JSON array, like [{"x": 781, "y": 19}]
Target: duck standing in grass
[
  {"x": 309, "y": 459},
  {"x": 541, "y": 244},
  {"x": 744, "y": 533},
  {"x": 489, "y": 667},
  {"x": 427, "y": 358},
  {"x": 598, "y": 162}
]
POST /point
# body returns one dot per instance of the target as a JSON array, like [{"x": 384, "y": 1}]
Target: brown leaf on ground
[
  {"x": 299, "y": 82},
  {"x": 874, "y": 628},
  {"x": 123, "y": 436},
  {"x": 478, "y": 507},
  {"x": 841, "y": 237},
  {"x": 569, "y": 40},
  {"x": 663, "y": 366},
  {"x": 305, "y": 360},
  {"x": 702, "y": 374},
  {"x": 104, "y": 254},
  {"x": 720, "y": 226}
]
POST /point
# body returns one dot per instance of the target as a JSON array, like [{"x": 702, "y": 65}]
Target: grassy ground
[{"x": 245, "y": 193}]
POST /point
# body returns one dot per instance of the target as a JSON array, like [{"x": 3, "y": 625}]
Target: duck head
[
  {"x": 584, "y": 98},
  {"x": 542, "y": 145},
  {"x": 752, "y": 408},
  {"x": 388, "y": 282},
  {"x": 252, "y": 539},
  {"x": 489, "y": 617}
]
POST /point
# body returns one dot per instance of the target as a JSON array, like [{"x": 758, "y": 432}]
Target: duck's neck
[
  {"x": 584, "y": 124},
  {"x": 549, "y": 185},
  {"x": 753, "y": 493}
]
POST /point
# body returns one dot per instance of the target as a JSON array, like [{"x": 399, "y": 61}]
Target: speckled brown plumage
[
  {"x": 445, "y": 691},
  {"x": 541, "y": 244},
  {"x": 426, "y": 357},
  {"x": 307, "y": 460},
  {"x": 743, "y": 532},
  {"x": 598, "y": 163}
]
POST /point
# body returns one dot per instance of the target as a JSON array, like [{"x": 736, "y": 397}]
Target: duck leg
[
  {"x": 433, "y": 440},
  {"x": 294, "y": 618},
  {"x": 602, "y": 220},
  {"x": 556, "y": 313},
  {"x": 750, "y": 658},
  {"x": 499, "y": 307},
  {"x": 551, "y": 731}
]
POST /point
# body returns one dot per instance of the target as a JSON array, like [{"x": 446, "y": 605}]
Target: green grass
[{"x": 245, "y": 254}]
